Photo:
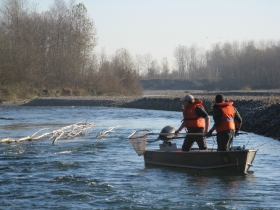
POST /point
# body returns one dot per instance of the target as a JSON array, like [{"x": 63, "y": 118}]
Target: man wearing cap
[
  {"x": 196, "y": 120},
  {"x": 227, "y": 122}
]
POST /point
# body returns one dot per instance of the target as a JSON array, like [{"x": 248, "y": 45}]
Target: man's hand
[{"x": 177, "y": 132}]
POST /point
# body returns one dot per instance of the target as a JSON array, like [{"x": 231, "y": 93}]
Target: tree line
[
  {"x": 53, "y": 52},
  {"x": 248, "y": 64}
]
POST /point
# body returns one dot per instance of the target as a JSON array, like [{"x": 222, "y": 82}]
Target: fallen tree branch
[
  {"x": 102, "y": 133},
  {"x": 70, "y": 131}
]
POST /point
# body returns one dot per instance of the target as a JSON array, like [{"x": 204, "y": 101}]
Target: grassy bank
[{"x": 20, "y": 95}]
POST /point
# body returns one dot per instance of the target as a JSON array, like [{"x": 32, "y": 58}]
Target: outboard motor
[{"x": 166, "y": 133}]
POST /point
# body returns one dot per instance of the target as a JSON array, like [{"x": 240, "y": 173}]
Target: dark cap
[{"x": 219, "y": 98}]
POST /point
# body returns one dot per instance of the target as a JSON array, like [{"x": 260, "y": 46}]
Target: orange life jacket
[
  {"x": 191, "y": 119},
  {"x": 228, "y": 114}
]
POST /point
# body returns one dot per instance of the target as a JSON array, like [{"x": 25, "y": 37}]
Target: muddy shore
[{"x": 260, "y": 109}]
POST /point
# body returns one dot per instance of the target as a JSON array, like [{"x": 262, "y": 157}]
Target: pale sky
[{"x": 159, "y": 26}]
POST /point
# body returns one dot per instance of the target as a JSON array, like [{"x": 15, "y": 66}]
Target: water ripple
[{"x": 90, "y": 173}]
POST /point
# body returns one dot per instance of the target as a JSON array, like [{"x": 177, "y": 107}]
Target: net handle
[
  {"x": 162, "y": 134},
  {"x": 167, "y": 134}
]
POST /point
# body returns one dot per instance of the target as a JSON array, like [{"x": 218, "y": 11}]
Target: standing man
[
  {"x": 197, "y": 121},
  {"x": 227, "y": 122}
]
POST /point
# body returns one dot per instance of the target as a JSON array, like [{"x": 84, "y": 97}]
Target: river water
[{"x": 90, "y": 173}]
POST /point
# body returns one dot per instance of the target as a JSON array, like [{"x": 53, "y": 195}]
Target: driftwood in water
[
  {"x": 102, "y": 133},
  {"x": 69, "y": 131}
]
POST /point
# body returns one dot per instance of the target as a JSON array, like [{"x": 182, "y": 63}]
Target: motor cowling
[{"x": 166, "y": 133}]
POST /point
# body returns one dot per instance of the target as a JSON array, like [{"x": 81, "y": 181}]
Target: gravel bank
[{"x": 260, "y": 109}]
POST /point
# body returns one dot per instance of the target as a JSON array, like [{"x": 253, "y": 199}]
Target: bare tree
[
  {"x": 143, "y": 63},
  {"x": 165, "y": 68},
  {"x": 182, "y": 57},
  {"x": 154, "y": 70}
]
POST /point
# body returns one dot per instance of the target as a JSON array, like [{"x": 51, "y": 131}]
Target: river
[{"x": 106, "y": 173}]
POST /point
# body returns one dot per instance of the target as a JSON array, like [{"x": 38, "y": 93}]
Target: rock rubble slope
[{"x": 260, "y": 109}]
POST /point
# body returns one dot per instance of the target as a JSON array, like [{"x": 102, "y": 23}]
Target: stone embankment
[{"x": 260, "y": 109}]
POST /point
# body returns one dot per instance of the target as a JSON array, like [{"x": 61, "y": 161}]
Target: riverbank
[{"x": 259, "y": 109}]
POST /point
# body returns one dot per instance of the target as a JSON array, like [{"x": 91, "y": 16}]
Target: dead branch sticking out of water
[
  {"x": 102, "y": 133},
  {"x": 70, "y": 131}
]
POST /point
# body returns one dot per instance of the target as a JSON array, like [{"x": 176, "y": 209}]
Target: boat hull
[{"x": 237, "y": 161}]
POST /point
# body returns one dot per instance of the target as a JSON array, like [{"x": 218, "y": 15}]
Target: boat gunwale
[{"x": 202, "y": 151}]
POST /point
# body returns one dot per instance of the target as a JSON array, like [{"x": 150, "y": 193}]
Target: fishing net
[{"x": 138, "y": 141}]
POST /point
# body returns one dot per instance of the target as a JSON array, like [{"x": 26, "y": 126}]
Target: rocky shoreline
[{"x": 259, "y": 109}]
